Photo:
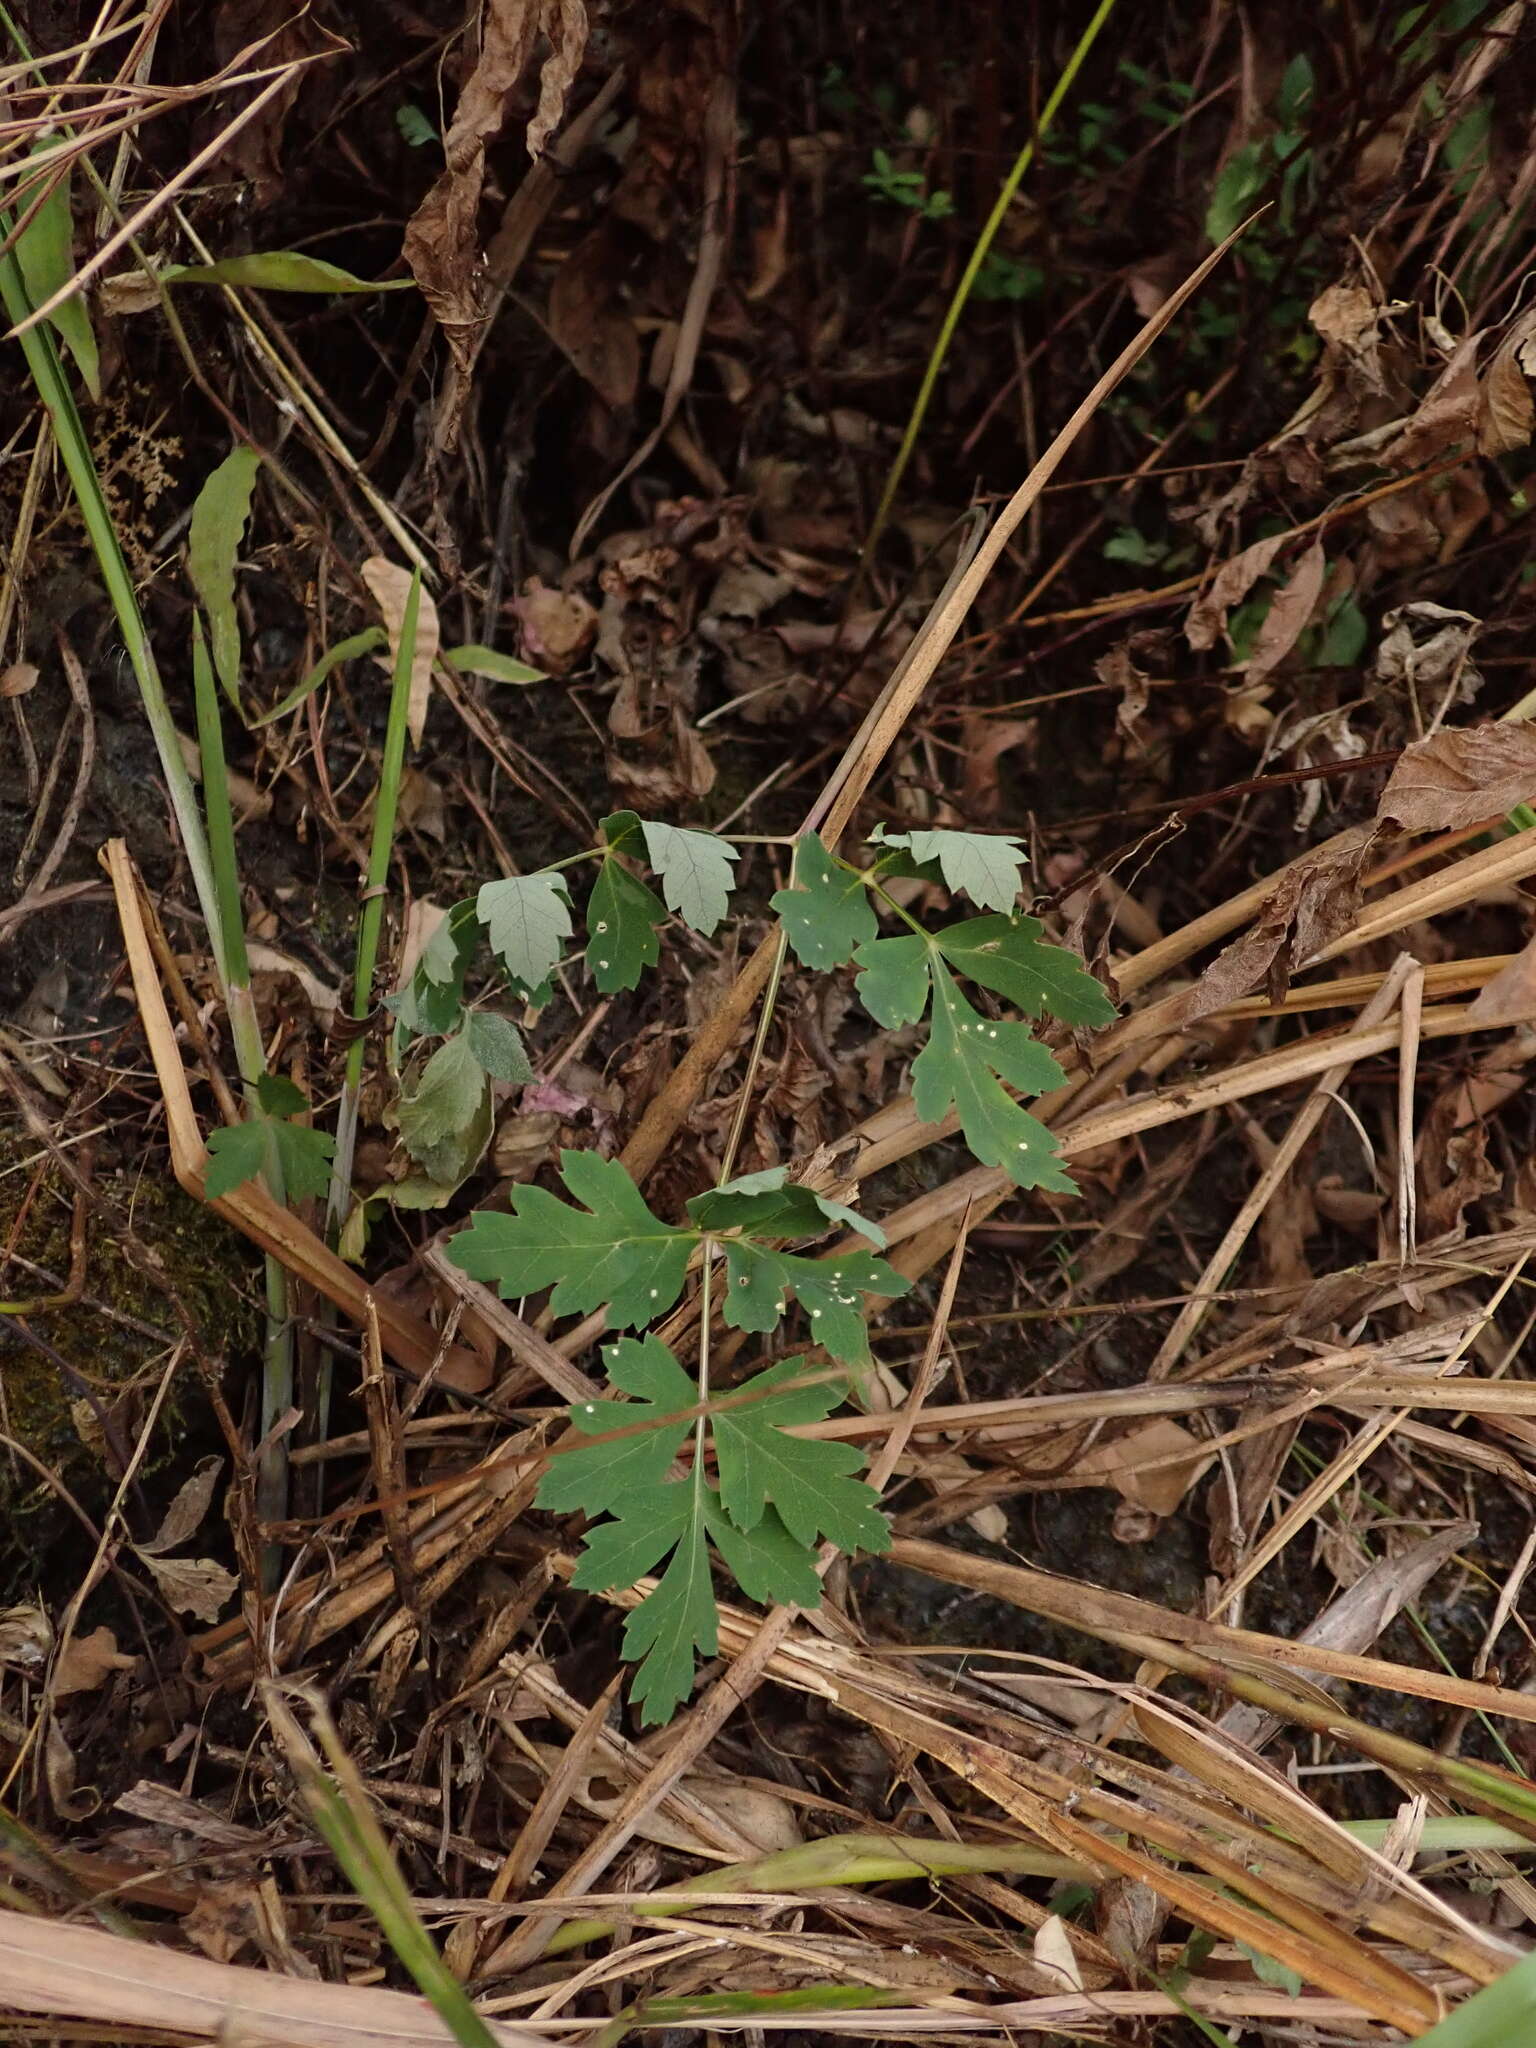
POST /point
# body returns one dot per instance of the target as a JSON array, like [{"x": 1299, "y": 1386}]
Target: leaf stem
[{"x": 371, "y": 916}]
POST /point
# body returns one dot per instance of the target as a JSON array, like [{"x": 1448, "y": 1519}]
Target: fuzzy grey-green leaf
[
  {"x": 528, "y": 916},
  {"x": 695, "y": 871}
]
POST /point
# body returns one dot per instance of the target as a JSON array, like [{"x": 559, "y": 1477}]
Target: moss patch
[{"x": 77, "y": 1379}]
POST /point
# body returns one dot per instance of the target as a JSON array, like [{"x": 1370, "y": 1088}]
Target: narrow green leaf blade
[
  {"x": 826, "y": 909},
  {"x": 367, "y": 642},
  {"x": 622, "y": 920},
  {"x": 1500, "y": 2015},
  {"x": 695, "y": 870},
  {"x": 496, "y": 667},
  {"x": 219, "y": 515},
  {"x": 528, "y": 917},
  {"x": 45, "y": 255},
  {"x": 1008, "y": 955},
  {"x": 281, "y": 270}
]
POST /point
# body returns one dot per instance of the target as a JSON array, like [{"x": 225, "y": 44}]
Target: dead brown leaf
[
  {"x": 587, "y": 321},
  {"x": 87, "y": 1662},
  {"x": 18, "y": 679},
  {"x": 423, "y": 804},
  {"x": 1462, "y": 777},
  {"x": 1312, "y": 903},
  {"x": 390, "y": 587},
  {"x": 558, "y": 626},
  {"x": 1456, "y": 1177},
  {"x": 1117, "y": 1462},
  {"x": 1506, "y": 412},
  {"x": 1510, "y": 998},
  {"x": 1119, "y": 670},
  {"x": 985, "y": 741},
  {"x": 1229, "y": 586},
  {"x": 268, "y": 966},
  {"x": 1447, "y": 418},
  {"x": 1289, "y": 614},
  {"x": 26, "y": 1636},
  {"x": 441, "y": 243},
  {"x": 184, "y": 1516},
  {"x": 1345, "y": 315},
  {"x": 565, "y": 28},
  {"x": 193, "y": 1585},
  {"x": 1425, "y": 651}
]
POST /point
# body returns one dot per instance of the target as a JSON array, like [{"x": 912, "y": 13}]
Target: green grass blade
[
  {"x": 338, "y": 1804},
  {"x": 969, "y": 275},
  {"x": 75, "y": 452},
  {"x": 1501, "y": 2015},
  {"x": 386, "y": 806},
  {"x": 45, "y": 254}
]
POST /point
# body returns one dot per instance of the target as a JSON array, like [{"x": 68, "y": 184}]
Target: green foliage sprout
[{"x": 676, "y": 1475}]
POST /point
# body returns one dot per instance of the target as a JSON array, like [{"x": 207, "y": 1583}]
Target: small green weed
[{"x": 905, "y": 188}]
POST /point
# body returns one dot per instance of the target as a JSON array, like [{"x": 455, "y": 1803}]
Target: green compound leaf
[
  {"x": 622, "y": 918},
  {"x": 806, "y": 1481},
  {"x": 826, "y": 911},
  {"x": 894, "y": 979},
  {"x": 613, "y": 1251},
  {"x": 598, "y": 1478},
  {"x": 982, "y": 865},
  {"x": 219, "y": 514},
  {"x": 759, "y": 1281},
  {"x": 959, "y": 1068},
  {"x": 695, "y": 870},
  {"x": 1007, "y": 954},
  {"x": 769, "y": 1204},
  {"x": 279, "y": 1096},
  {"x": 445, "y": 1095},
  {"x": 238, "y": 1153},
  {"x": 528, "y": 916}
]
